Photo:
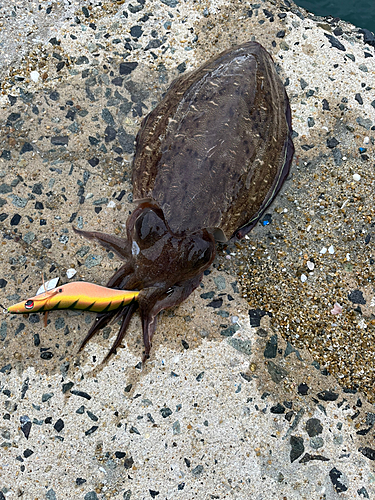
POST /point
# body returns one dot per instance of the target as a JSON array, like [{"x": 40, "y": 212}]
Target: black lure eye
[{"x": 29, "y": 304}]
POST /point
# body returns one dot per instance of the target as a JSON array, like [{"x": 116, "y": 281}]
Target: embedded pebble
[
  {"x": 316, "y": 442},
  {"x": 93, "y": 260},
  {"x": 356, "y": 177},
  {"x": 220, "y": 282},
  {"x": 29, "y": 237}
]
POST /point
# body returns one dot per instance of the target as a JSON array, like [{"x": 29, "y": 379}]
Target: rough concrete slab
[{"x": 254, "y": 388}]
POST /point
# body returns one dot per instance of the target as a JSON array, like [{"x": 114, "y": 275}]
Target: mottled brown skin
[{"x": 209, "y": 160}]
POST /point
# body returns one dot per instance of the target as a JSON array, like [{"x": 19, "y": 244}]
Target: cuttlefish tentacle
[
  {"x": 150, "y": 306},
  {"x": 116, "y": 280},
  {"x": 102, "y": 320},
  {"x": 126, "y": 314},
  {"x": 122, "y": 279},
  {"x": 119, "y": 245},
  {"x": 149, "y": 327},
  {"x": 119, "y": 280}
]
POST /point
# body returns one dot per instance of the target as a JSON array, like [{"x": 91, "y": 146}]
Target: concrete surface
[{"x": 254, "y": 389}]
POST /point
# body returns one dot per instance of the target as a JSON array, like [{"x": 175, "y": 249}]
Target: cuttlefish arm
[
  {"x": 78, "y": 295},
  {"x": 102, "y": 320}
]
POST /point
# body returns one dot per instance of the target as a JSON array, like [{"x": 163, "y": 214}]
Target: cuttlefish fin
[{"x": 118, "y": 245}]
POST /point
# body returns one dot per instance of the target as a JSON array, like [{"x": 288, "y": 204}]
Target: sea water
[{"x": 361, "y": 13}]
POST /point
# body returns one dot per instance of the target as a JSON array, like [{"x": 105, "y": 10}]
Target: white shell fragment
[
  {"x": 48, "y": 285},
  {"x": 323, "y": 250},
  {"x": 331, "y": 250},
  {"x": 362, "y": 324},
  {"x": 34, "y": 75},
  {"x": 303, "y": 278},
  {"x": 310, "y": 265},
  {"x": 337, "y": 309},
  {"x": 356, "y": 177},
  {"x": 71, "y": 272}
]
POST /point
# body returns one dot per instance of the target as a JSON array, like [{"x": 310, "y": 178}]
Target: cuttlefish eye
[
  {"x": 149, "y": 228},
  {"x": 198, "y": 253},
  {"x": 29, "y": 304}
]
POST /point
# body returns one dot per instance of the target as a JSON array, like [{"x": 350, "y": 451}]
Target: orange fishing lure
[{"x": 78, "y": 295}]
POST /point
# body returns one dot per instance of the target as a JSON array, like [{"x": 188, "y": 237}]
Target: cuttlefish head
[{"x": 165, "y": 268}]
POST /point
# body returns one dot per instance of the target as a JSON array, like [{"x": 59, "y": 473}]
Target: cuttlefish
[{"x": 209, "y": 160}]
